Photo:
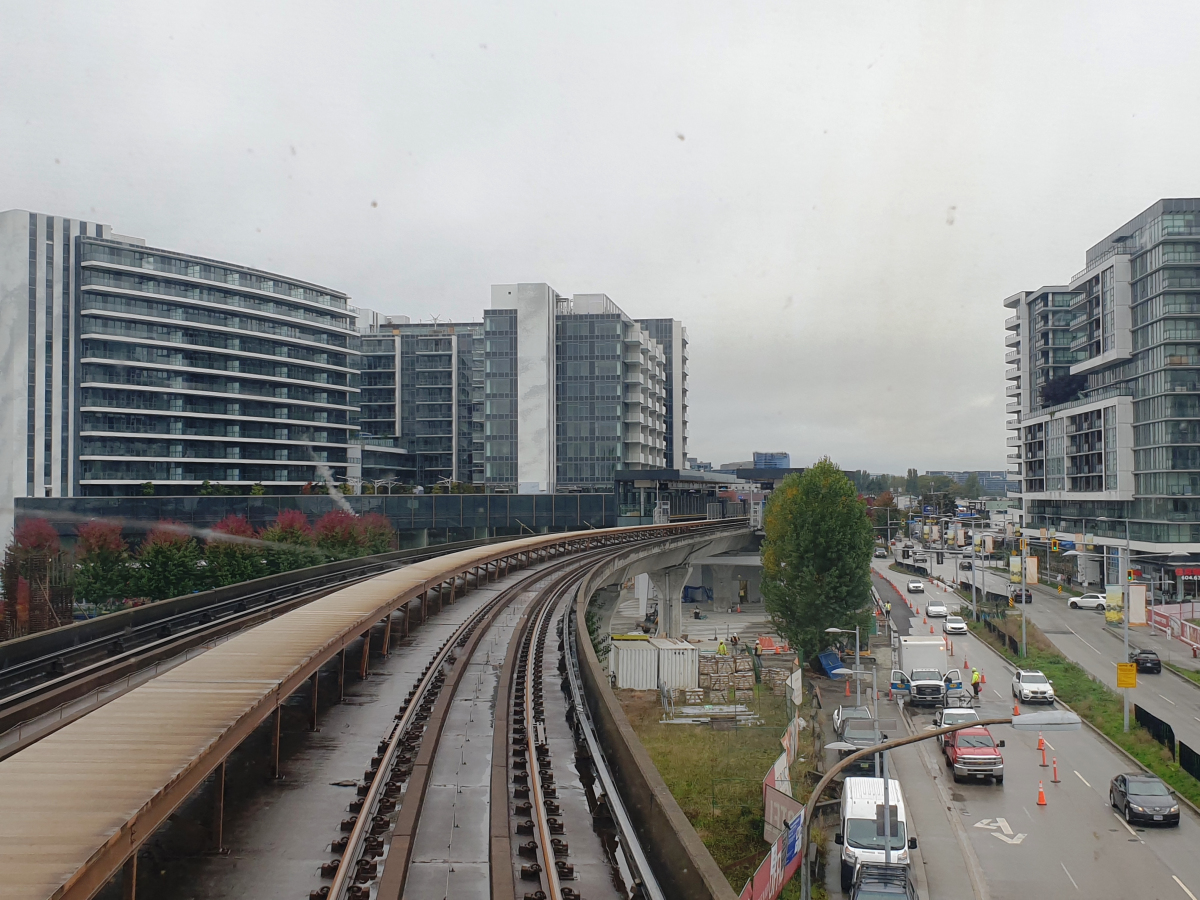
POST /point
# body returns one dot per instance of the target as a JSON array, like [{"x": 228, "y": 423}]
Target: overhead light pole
[
  {"x": 1124, "y": 576},
  {"x": 857, "y": 665}
]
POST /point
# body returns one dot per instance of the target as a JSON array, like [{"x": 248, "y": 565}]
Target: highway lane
[
  {"x": 1082, "y": 636},
  {"x": 1073, "y": 845}
]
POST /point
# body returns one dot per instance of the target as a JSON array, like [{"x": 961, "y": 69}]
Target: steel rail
[{"x": 631, "y": 846}]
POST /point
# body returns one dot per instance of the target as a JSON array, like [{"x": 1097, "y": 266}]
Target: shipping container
[
  {"x": 635, "y": 663},
  {"x": 678, "y": 663}
]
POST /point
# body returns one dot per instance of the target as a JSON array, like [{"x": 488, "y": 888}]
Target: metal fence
[
  {"x": 1189, "y": 760},
  {"x": 1159, "y": 730}
]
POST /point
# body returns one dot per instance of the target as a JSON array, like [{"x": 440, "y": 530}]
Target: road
[
  {"x": 1082, "y": 636},
  {"x": 1007, "y": 846}
]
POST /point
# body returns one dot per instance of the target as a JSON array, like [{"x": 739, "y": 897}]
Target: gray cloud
[{"x": 833, "y": 197}]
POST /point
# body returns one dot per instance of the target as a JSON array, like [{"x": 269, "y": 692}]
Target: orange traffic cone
[
  {"x": 1016, "y": 711},
  {"x": 982, "y": 678},
  {"x": 966, "y": 665},
  {"x": 925, "y": 620},
  {"x": 1041, "y": 742},
  {"x": 847, "y": 687},
  {"x": 931, "y": 629},
  {"x": 1041, "y": 795}
]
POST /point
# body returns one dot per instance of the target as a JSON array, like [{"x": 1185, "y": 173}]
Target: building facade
[
  {"x": 142, "y": 366},
  {"x": 574, "y": 391},
  {"x": 772, "y": 460},
  {"x": 672, "y": 337},
  {"x": 1106, "y": 427}
]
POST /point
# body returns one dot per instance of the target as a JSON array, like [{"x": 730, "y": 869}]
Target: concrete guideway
[{"x": 1075, "y": 844}]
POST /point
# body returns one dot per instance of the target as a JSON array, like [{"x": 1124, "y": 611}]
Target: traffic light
[
  {"x": 1054, "y": 545},
  {"x": 1130, "y": 573}
]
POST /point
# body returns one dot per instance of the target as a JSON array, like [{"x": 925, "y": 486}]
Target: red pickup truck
[{"x": 972, "y": 753}]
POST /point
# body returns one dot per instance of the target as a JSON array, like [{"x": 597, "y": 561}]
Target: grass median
[
  {"x": 716, "y": 777},
  {"x": 1093, "y": 701}
]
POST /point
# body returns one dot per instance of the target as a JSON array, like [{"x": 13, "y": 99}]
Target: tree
[
  {"x": 103, "y": 569},
  {"x": 377, "y": 529},
  {"x": 168, "y": 561},
  {"x": 257, "y": 489},
  {"x": 233, "y": 561},
  {"x": 971, "y": 489},
  {"x": 911, "y": 486},
  {"x": 816, "y": 556},
  {"x": 340, "y": 535},
  {"x": 291, "y": 543}
]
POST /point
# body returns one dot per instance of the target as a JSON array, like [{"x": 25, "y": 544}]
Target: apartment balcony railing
[
  {"x": 1012, "y": 356},
  {"x": 1012, "y": 323}
]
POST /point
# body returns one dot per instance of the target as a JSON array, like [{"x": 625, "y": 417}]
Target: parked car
[
  {"x": 1147, "y": 661},
  {"x": 1032, "y": 686},
  {"x": 876, "y": 881},
  {"x": 916, "y": 587},
  {"x": 947, "y": 717},
  {"x": 860, "y": 733},
  {"x": 954, "y": 625},
  {"x": 1020, "y": 595},
  {"x": 1087, "y": 601},
  {"x": 973, "y": 753},
  {"x": 936, "y": 608},
  {"x": 844, "y": 713},
  {"x": 880, "y": 553},
  {"x": 1143, "y": 798}
]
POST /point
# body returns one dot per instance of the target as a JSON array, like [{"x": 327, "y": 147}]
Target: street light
[
  {"x": 1054, "y": 720},
  {"x": 857, "y": 687},
  {"x": 1124, "y": 576}
]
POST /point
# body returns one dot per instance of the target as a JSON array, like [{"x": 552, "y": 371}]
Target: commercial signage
[
  {"x": 776, "y": 870},
  {"x": 1126, "y": 675},
  {"x": 1188, "y": 574},
  {"x": 927, "y": 509},
  {"x": 1014, "y": 569}
]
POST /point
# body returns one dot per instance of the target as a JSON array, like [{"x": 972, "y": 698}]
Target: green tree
[
  {"x": 103, "y": 571},
  {"x": 911, "y": 483},
  {"x": 816, "y": 556},
  {"x": 291, "y": 543},
  {"x": 168, "y": 562},
  {"x": 230, "y": 560},
  {"x": 971, "y": 489}
]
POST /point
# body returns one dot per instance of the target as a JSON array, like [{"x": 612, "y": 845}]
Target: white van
[{"x": 861, "y": 833}]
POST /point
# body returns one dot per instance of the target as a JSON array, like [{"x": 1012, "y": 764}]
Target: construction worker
[
  {"x": 733, "y": 639},
  {"x": 722, "y": 650},
  {"x": 887, "y": 607},
  {"x": 757, "y": 648},
  {"x": 976, "y": 682}
]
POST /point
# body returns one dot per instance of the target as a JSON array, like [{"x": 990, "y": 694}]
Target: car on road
[
  {"x": 936, "y": 608},
  {"x": 964, "y": 565},
  {"x": 880, "y": 553},
  {"x": 1143, "y": 798},
  {"x": 860, "y": 733},
  {"x": 1087, "y": 601},
  {"x": 1020, "y": 595},
  {"x": 1147, "y": 661},
  {"x": 876, "y": 881},
  {"x": 951, "y": 716},
  {"x": 954, "y": 625},
  {"x": 1032, "y": 686},
  {"x": 974, "y": 753},
  {"x": 915, "y": 587},
  {"x": 843, "y": 714}
]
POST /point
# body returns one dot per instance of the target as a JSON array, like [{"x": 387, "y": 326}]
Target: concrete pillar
[
  {"x": 217, "y": 824},
  {"x": 129, "y": 878},
  {"x": 641, "y": 590},
  {"x": 668, "y": 583}
]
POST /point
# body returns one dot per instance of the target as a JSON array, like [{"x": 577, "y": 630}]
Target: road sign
[
  {"x": 1126, "y": 675},
  {"x": 927, "y": 509}
]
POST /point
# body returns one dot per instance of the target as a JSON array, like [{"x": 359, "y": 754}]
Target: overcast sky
[{"x": 833, "y": 197}]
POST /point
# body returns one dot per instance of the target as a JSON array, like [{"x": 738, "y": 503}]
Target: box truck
[{"x": 923, "y": 671}]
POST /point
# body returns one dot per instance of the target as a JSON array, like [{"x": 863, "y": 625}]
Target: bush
[
  {"x": 378, "y": 531},
  {"x": 232, "y": 561},
  {"x": 36, "y": 536},
  {"x": 103, "y": 569},
  {"x": 291, "y": 543},
  {"x": 340, "y": 535},
  {"x": 167, "y": 562}
]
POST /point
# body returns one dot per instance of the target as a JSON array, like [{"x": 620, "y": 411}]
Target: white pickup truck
[{"x": 923, "y": 671}]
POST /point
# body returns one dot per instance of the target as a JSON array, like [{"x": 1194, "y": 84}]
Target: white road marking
[
  {"x": 1169, "y": 700},
  {"x": 1048, "y": 744},
  {"x": 1076, "y": 633},
  {"x": 1007, "y": 839},
  {"x": 1127, "y": 828},
  {"x": 1081, "y": 778},
  {"x": 1184, "y": 886},
  {"x": 1064, "y": 865},
  {"x": 994, "y": 691}
]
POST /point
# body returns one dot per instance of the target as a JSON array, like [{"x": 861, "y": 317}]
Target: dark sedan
[
  {"x": 1143, "y": 798},
  {"x": 1147, "y": 661}
]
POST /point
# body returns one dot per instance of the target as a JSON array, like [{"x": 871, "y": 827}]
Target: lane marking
[
  {"x": 1076, "y": 633},
  {"x": 1127, "y": 828},
  {"x": 1081, "y": 778},
  {"x": 1168, "y": 699},
  {"x": 998, "y": 694},
  {"x": 1048, "y": 744},
  {"x": 1064, "y": 865},
  {"x": 1184, "y": 886},
  {"x": 1007, "y": 839}
]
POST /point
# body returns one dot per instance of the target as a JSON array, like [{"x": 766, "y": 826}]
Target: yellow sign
[
  {"x": 1014, "y": 569},
  {"x": 1126, "y": 675}
]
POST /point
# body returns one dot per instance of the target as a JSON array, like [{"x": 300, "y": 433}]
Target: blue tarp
[{"x": 830, "y": 660}]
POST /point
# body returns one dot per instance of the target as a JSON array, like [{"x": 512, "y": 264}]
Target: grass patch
[
  {"x": 1093, "y": 701},
  {"x": 1189, "y": 674},
  {"x": 716, "y": 777}
]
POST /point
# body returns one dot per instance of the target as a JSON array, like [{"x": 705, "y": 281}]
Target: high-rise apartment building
[
  {"x": 127, "y": 364},
  {"x": 575, "y": 389},
  {"x": 422, "y": 387},
  {"x": 1105, "y": 390},
  {"x": 672, "y": 337}
]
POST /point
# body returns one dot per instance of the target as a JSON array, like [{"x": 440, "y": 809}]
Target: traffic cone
[
  {"x": 931, "y": 629},
  {"x": 1043, "y": 763},
  {"x": 1054, "y": 780},
  {"x": 1041, "y": 795},
  {"x": 1016, "y": 710},
  {"x": 982, "y": 678},
  {"x": 925, "y": 620},
  {"x": 847, "y": 687},
  {"x": 966, "y": 665},
  {"x": 1041, "y": 742}
]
